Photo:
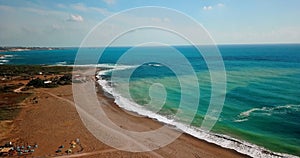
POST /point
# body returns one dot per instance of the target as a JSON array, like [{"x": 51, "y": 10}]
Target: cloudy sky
[{"x": 66, "y": 23}]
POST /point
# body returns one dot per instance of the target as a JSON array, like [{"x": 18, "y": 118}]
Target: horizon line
[{"x": 217, "y": 44}]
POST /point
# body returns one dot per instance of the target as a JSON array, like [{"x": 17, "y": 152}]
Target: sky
[{"x": 61, "y": 23}]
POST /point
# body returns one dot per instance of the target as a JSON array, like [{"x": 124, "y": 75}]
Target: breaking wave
[{"x": 243, "y": 116}]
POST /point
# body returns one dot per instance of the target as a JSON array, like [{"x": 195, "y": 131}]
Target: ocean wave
[
  {"x": 268, "y": 111},
  {"x": 4, "y": 56},
  {"x": 8, "y": 56},
  {"x": 240, "y": 120},
  {"x": 4, "y": 61},
  {"x": 218, "y": 139},
  {"x": 61, "y": 63},
  {"x": 155, "y": 65},
  {"x": 112, "y": 67}
]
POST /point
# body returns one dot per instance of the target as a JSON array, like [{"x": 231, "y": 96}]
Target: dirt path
[
  {"x": 129, "y": 139},
  {"x": 87, "y": 154},
  {"x": 18, "y": 90},
  {"x": 54, "y": 121}
]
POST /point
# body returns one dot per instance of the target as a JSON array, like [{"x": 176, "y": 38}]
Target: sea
[{"x": 261, "y": 111}]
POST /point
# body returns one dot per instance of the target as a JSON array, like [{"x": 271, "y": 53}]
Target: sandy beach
[{"x": 53, "y": 121}]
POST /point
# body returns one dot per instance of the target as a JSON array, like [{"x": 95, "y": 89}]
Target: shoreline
[
  {"x": 224, "y": 141},
  {"x": 59, "y": 101},
  {"x": 54, "y": 121},
  {"x": 102, "y": 94}
]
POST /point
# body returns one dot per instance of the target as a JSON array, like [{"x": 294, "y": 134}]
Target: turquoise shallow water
[
  {"x": 261, "y": 107},
  {"x": 262, "y": 100},
  {"x": 262, "y": 104}
]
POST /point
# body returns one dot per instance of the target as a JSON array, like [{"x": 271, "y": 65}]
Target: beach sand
[{"x": 53, "y": 121}]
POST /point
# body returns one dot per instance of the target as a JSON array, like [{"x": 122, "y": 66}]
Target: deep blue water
[{"x": 262, "y": 104}]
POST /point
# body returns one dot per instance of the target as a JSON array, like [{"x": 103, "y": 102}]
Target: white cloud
[
  {"x": 83, "y": 8},
  {"x": 61, "y": 6},
  {"x": 287, "y": 34},
  {"x": 102, "y": 11},
  {"x": 5, "y": 8},
  {"x": 76, "y": 18},
  {"x": 79, "y": 7},
  {"x": 220, "y": 5},
  {"x": 207, "y": 8},
  {"x": 56, "y": 27},
  {"x": 109, "y": 2},
  {"x": 160, "y": 20}
]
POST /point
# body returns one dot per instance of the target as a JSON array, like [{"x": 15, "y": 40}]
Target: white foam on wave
[
  {"x": 4, "y": 61},
  {"x": 61, "y": 63},
  {"x": 248, "y": 112},
  {"x": 8, "y": 56},
  {"x": 267, "y": 111},
  {"x": 241, "y": 120},
  {"x": 155, "y": 65},
  {"x": 235, "y": 144},
  {"x": 112, "y": 67},
  {"x": 4, "y": 56},
  {"x": 218, "y": 139}
]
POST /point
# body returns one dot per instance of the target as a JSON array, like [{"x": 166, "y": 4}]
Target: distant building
[{"x": 47, "y": 82}]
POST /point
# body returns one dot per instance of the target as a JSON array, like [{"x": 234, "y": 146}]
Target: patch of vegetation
[
  {"x": 16, "y": 70},
  {"x": 37, "y": 83},
  {"x": 50, "y": 83},
  {"x": 9, "y": 100},
  {"x": 9, "y": 107},
  {"x": 9, "y": 112},
  {"x": 9, "y": 87},
  {"x": 65, "y": 79}
]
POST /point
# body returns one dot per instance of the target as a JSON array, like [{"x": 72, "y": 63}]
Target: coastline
[
  {"x": 223, "y": 141},
  {"x": 24, "y": 49},
  {"x": 54, "y": 121},
  {"x": 56, "y": 116},
  {"x": 184, "y": 140}
]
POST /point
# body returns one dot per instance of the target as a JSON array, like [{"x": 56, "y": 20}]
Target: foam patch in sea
[{"x": 243, "y": 116}]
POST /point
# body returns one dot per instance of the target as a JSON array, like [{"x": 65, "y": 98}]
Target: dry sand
[{"x": 54, "y": 121}]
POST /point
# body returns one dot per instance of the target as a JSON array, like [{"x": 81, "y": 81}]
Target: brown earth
[{"x": 53, "y": 121}]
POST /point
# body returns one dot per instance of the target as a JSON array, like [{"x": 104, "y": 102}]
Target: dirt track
[{"x": 54, "y": 121}]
